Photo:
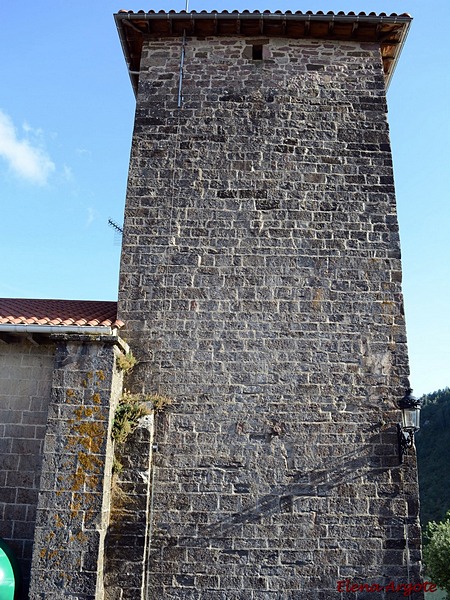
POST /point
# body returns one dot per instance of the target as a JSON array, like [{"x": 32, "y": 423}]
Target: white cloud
[
  {"x": 83, "y": 152},
  {"x": 24, "y": 158},
  {"x": 92, "y": 213},
  {"x": 68, "y": 173},
  {"x": 28, "y": 129}
]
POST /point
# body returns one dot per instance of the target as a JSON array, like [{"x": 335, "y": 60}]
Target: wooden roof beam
[{"x": 307, "y": 27}]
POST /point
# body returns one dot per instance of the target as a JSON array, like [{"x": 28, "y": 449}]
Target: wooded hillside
[{"x": 433, "y": 455}]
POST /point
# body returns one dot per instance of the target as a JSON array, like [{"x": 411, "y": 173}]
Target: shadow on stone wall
[
  {"x": 127, "y": 543},
  {"x": 126, "y": 538}
]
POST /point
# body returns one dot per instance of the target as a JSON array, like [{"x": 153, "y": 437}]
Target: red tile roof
[
  {"x": 83, "y": 313},
  {"x": 258, "y": 12}
]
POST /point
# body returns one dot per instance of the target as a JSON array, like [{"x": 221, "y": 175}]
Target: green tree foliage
[
  {"x": 433, "y": 451},
  {"x": 436, "y": 553}
]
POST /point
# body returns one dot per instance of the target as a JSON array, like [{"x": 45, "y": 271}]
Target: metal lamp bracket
[{"x": 405, "y": 441}]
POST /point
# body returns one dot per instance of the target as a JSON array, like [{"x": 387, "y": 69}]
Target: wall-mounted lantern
[{"x": 410, "y": 407}]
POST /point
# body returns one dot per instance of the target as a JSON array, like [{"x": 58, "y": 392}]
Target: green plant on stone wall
[
  {"x": 126, "y": 362},
  {"x": 117, "y": 466},
  {"x": 131, "y": 408},
  {"x": 158, "y": 401},
  {"x": 126, "y": 418}
]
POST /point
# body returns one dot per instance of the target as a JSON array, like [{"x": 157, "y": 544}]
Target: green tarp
[{"x": 8, "y": 572}]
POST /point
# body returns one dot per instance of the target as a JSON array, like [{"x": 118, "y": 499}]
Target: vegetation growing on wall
[
  {"x": 436, "y": 553},
  {"x": 127, "y": 415},
  {"x": 126, "y": 362},
  {"x": 158, "y": 401},
  {"x": 132, "y": 407}
]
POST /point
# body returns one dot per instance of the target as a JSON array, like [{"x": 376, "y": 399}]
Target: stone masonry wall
[
  {"x": 261, "y": 288},
  {"x": 25, "y": 384},
  {"x": 74, "y": 499}
]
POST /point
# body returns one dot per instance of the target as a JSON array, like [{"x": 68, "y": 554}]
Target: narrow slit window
[{"x": 257, "y": 52}]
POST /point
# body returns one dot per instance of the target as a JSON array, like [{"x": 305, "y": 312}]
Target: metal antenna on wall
[
  {"x": 114, "y": 225},
  {"x": 118, "y": 231},
  {"x": 183, "y": 51}
]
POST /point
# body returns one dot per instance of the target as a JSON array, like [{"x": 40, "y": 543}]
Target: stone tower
[{"x": 261, "y": 290}]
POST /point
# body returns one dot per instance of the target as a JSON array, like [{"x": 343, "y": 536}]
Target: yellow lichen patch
[
  {"x": 59, "y": 521},
  {"x": 72, "y": 440},
  {"x": 86, "y": 436},
  {"x": 89, "y": 515},
  {"x": 89, "y": 462},
  {"x": 81, "y": 537},
  {"x": 90, "y": 435},
  {"x": 78, "y": 480},
  {"x": 84, "y": 411},
  {"x": 43, "y": 553},
  {"x": 78, "y": 537},
  {"x": 92, "y": 481},
  {"x": 75, "y": 505}
]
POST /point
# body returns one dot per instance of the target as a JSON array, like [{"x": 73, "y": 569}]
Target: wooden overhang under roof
[{"x": 389, "y": 31}]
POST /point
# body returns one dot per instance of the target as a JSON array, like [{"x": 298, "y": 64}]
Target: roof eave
[
  {"x": 133, "y": 26},
  {"x": 52, "y": 329}
]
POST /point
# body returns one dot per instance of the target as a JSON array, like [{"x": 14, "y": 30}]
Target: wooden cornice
[{"x": 389, "y": 31}]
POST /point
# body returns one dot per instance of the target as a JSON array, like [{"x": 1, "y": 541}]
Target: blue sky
[{"x": 66, "y": 118}]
